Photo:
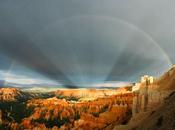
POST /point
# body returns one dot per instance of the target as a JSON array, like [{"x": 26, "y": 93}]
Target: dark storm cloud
[
  {"x": 5, "y": 62},
  {"x": 18, "y": 47},
  {"x": 132, "y": 64},
  {"x": 90, "y": 46}
]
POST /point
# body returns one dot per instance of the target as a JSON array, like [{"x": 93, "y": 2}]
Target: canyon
[
  {"x": 127, "y": 108},
  {"x": 64, "y": 108}
]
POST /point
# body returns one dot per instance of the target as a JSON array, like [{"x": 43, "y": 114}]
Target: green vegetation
[
  {"x": 51, "y": 123},
  {"x": 77, "y": 116},
  {"x": 69, "y": 98},
  {"x": 96, "y": 114},
  {"x": 104, "y": 109},
  {"x": 15, "y": 110}
]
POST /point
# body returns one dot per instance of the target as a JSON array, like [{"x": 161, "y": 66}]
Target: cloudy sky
[{"x": 85, "y": 41}]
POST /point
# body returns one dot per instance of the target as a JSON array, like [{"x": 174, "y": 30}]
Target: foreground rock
[{"x": 153, "y": 104}]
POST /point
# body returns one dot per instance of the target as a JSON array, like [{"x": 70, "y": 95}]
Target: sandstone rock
[{"x": 11, "y": 94}]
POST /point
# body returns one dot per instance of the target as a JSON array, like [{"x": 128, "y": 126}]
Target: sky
[{"x": 85, "y": 43}]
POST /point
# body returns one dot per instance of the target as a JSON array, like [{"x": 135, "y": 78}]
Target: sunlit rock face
[
  {"x": 11, "y": 94},
  {"x": 150, "y": 92}
]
